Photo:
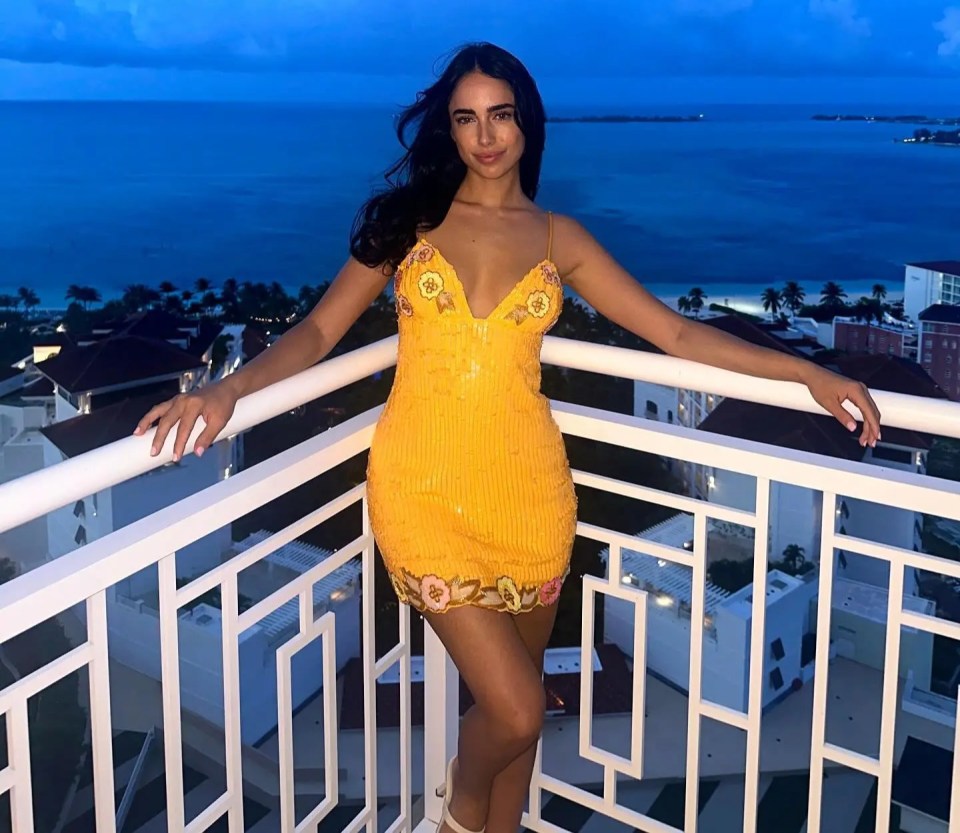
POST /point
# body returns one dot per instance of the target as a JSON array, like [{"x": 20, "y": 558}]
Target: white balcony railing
[{"x": 85, "y": 579}]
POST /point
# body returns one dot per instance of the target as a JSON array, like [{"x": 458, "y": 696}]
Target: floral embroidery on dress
[
  {"x": 436, "y": 595},
  {"x": 550, "y": 591},
  {"x": 399, "y": 589},
  {"x": 518, "y": 314},
  {"x": 508, "y": 592},
  {"x": 538, "y": 303},
  {"x": 403, "y": 305},
  {"x": 424, "y": 252},
  {"x": 434, "y": 592},
  {"x": 550, "y": 274},
  {"x": 445, "y": 302},
  {"x": 430, "y": 285}
]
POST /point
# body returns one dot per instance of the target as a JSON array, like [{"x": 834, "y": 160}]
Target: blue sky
[{"x": 379, "y": 50}]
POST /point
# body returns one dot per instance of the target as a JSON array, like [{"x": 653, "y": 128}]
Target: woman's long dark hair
[{"x": 423, "y": 183}]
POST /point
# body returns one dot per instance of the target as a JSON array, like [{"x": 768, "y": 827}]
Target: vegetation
[{"x": 732, "y": 576}]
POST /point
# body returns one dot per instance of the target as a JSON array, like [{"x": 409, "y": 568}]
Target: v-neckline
[{"x": 463, "y": 291}]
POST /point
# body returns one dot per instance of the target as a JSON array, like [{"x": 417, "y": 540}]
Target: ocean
[{"x": 109, "y": 194}]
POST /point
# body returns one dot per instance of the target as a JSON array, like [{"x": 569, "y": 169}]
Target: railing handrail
[
  {"x": 36, "y": 494},
  {"x": 939, "y": 417}
]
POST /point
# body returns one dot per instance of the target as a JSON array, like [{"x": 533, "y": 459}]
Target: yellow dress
[{"x": 469, "y": 490}]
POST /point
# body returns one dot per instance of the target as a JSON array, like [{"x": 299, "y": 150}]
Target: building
[
  {"x": 933, "y": 282},
  {"x": 134, "y": 622},
  {"x": 795, "y": 512},
  {"x": 857, "y": 627},
  {"x": 851, "y": 335},
  {"x": 940, "y": 346},
  {"x": 690, "y": 407},
  {"x": 73, "y": 394}
]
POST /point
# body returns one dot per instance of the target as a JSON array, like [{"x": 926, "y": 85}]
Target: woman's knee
[{"x": 522, "y": 717}]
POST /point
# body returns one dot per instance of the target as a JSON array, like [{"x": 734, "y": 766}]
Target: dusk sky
[{"x": 381, "y": 50}]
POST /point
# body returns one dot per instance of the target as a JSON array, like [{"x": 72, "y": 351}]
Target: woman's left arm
[{"x": 594, "y": 275}]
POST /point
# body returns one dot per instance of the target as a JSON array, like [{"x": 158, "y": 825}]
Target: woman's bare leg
[
  {"x": 512, "y": 786},
  {"x": 507, "y": 717}
]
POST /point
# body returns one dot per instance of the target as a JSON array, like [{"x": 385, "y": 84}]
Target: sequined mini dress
[{"x": 470, "y": 495}]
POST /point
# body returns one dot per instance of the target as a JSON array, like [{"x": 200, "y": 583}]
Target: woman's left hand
[{"x": 831, "y": 390}]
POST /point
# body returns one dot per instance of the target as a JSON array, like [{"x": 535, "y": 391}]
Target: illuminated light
[
  {"x": 664, "y": 601},
  {"x": 661, "y": 563}
]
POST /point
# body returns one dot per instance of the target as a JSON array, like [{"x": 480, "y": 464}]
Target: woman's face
[{"x": 484, "y": 127}]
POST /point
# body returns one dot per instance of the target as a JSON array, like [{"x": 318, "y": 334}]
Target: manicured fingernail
[
  {"x": 153, "y": 451},
  {"x": 199, "y": 452},
  {"x": 851, "y": 426},
  {"x": 176, "y": 457}
]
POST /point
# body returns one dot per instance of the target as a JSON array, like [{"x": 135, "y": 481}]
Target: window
[
  {"x": 651, "y": 407},
  {"x": 81, "y": 536},
  {"x": 669, "y": 416},
  {"x": 79, "y": 510},
  {"x": 776, "y": 649},
  {"x": 946, "y": 374},
  {"x": 927, "y": 357},
  {"x": 776, "y": 679}
]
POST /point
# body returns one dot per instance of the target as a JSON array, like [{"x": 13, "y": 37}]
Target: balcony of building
[{"x": 256, "y": 690}]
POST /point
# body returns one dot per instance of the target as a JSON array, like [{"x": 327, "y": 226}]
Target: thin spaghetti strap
[{"x": 549, "y": 235}]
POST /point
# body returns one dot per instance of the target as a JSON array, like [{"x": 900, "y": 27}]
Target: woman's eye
[{"x": 504, "y": 116}]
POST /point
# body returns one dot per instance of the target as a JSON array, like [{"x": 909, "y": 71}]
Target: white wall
[
  {"x": 64, "y": 410},
  {"x": 921, "y": 288},
  {"x": 726, "y": 658},
  {"x": 144, "y": 495},
  {"x": 665, "y": 398},
  {"x": 135, "y": 642}
]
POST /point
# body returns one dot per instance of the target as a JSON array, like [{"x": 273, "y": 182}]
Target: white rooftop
[
  {"x": 300, "y": 558},
  {"x": 870, "y": 601}
]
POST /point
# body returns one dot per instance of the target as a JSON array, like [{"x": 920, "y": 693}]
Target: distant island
[
  {"x": 950, "y": 138},
  {"x": 624, "y": 119},
  {"x": 946, "y": 121}
]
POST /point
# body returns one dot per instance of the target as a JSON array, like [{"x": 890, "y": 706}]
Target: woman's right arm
[{"x": 354, "y": 289}]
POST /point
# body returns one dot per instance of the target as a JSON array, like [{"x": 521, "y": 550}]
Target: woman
[{"x": 471, "y": 499}]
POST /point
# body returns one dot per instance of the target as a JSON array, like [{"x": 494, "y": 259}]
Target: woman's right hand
[{"x": 214, "y": 403}]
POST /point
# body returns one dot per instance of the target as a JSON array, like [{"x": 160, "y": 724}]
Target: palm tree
[
  {"x": 8, "y": 302},
  {"x": 684, "y": 305},
  {"x": 793, "y": 295},
  {"x": 209, "y": 301},
  {"x": 28, "y": 298},
  {"x": 85, "y": 295},
  {"x": 879, "y": 292},
  {"x": 772, "y": 299},
  {"x": 136, "y": 296},
  {"x": 832, "y": 295},
  {"x": 167, "y": 288},
  {"x": 794, "y": 558},
  {"x": 202, "y": 285},
  {"x": 697, "y": 296}
]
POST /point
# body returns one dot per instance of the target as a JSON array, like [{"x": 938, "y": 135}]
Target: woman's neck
[{"x": 504, "y": 192}]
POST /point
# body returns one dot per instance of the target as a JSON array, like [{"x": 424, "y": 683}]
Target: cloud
[
  {"x": 641, "y": 38},
  {"x": 844, "y": 13},
  {"x": 949, "y": 27}
]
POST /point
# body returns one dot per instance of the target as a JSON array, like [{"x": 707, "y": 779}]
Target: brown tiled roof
[
  {"x": 942, "y": 314},
  {"x": 116, "y": 361},
  {"x": 950, "y": 267},
  {"x": 106, "y": 425},
  {"x": 748, "y": 331},
  {"x": 824, "y": 434},
  {"x": 612, "y": 693}
]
